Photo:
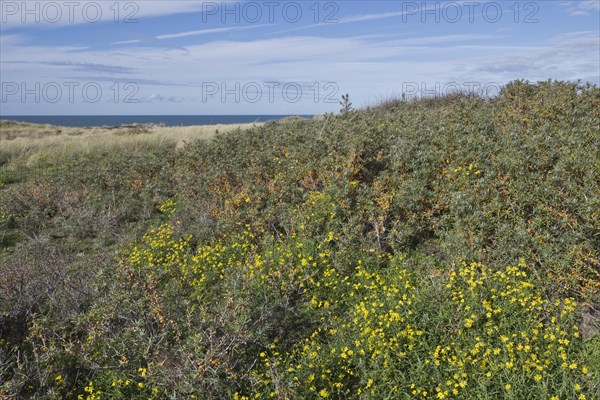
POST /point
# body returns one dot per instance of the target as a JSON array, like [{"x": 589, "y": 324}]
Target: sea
[{"x": 167, "y": 120}]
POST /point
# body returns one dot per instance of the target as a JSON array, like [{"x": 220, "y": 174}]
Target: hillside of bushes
[{"x": 442, "y": 248}]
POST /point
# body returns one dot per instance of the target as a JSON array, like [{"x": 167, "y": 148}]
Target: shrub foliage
[{"x": 439, "y": 248}]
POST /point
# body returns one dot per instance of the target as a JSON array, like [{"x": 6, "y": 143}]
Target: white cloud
[
  {"x": 361, "y": 66},
  {"x": 412, "y": 11},
  {"x": 581, "y": 7},
  {"x": 371, "y": 17},
  {"x": 196, "y": 33},
  {"x": 444, "y": 39},
  {"x": 49, "y": 14},
  {"x": 569, "y": 56}
]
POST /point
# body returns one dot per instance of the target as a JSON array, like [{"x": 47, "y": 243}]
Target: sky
[{"x": 150, "y": 57}]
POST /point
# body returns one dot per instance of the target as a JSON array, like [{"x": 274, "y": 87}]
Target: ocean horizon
[{"x": 81, "y": 121}]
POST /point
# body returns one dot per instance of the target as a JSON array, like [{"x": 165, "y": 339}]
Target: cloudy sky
[{"x": 279, "y": 57}]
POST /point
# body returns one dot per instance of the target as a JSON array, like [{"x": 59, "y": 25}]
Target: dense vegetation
[{"x": 441, "y": 248}]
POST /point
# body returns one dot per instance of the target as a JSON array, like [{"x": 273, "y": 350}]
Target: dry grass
[{"x": 23, "y": 141}]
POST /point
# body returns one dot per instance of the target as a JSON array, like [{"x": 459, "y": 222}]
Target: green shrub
[{"x": 443, "y": 248}]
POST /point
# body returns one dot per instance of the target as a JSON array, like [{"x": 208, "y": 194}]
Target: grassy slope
[
  {"x": 22, "y": 140},
  {"x": 357, "y": 255}
]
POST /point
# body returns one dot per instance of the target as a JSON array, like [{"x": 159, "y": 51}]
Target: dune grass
[{"x": 20, "y": 141}]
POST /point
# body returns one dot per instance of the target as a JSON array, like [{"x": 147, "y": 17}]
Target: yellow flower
[
  {"x": 538, "y": 377},
  {"x": 507, "y": 386},
  {"x": 323, "y": 393}
]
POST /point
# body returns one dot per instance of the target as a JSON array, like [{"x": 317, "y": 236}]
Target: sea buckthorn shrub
[{"x": 439, "y": 248}]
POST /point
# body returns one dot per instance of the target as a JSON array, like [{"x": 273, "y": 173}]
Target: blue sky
[{"x": 279, "y": 57}]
